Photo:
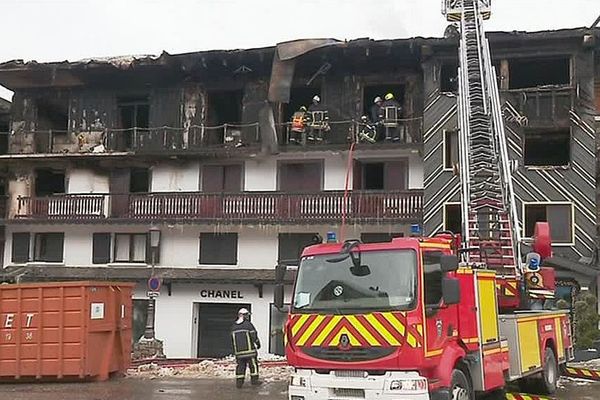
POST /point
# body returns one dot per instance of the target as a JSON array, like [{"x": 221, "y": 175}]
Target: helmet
[
  {"x": 317, "y": 99},
  {"x": 389, "y": 96},
  {"x": 303, "y": 108},
  {"x": 377, "y": 100},
  {"x": 243, "y": 311}
]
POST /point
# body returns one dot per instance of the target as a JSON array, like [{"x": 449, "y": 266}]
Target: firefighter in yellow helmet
[{"x": 390, "y": 115}]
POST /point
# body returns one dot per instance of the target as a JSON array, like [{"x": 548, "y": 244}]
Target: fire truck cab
[{"x": 405, "y": 320}]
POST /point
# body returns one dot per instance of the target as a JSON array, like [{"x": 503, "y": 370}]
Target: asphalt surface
[{"x": 187, "y": 389}]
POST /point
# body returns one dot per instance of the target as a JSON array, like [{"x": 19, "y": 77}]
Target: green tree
[{"x": 586, "y": 320}]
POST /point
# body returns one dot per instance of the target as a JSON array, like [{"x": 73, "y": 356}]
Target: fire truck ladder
[{"x": 490, "y": 221}]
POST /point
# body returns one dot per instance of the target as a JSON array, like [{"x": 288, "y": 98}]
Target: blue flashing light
[
  {"x": 415, "y": 229},
  {"x": 331, "y": 237}
]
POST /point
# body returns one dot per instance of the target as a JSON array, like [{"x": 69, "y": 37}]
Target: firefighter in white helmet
[
  {"x": 318, "y": 120},
  {"x": 245, "y": 348}
]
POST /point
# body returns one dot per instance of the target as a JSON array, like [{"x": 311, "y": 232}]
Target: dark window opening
[
  {"x": 299, "y": 96},
  {"x": 276, "y": 327},
  {"x": 379, "y": 237},
  {"x": 291, "y": 246},
  {"x": 218, "y": 248},
  {"x": 101, "y": 248},
  {"x": 539, "y": 72},
  {"x": 224, "y": 107},
  {"x": 222, "y": 178},
  {"x": 49, "y": 182},
  {"x": 134, "y": 117},
  {"x": 547, "y": 148},
  {"x": 4, "y": 131},
  {"x": 139, "y": 181},
  {"x": 20, "y": 247},
  {"x": 432, "y": 270},
  {"x": 450, "y": 149},
  {"x": 49, "y": 247},
  {"x": 558, "y": 216},
  {"x": 300, "y": 177},
  {"x": 373, "y": 176},
  {"x": 449, "y": 78},
  {"x": 131, "y": 247},
  {"x": 370, "y": 92},
  {"x": 380, "y": 175},
  {"x": 452, "y": 218},
  {"x": 52, "y": 114}
]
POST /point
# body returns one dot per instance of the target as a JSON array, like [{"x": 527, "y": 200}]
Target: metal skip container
[{"x": 65, "y": 330}]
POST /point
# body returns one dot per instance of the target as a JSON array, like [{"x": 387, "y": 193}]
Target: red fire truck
[{"x": 446, "y": 317}]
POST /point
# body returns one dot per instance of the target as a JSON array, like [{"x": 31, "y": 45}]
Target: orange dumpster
[{"x": 65, "y": 330}]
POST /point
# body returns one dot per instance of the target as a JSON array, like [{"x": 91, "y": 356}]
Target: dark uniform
[
  {"x": 245, "y": 345},
  {"x": 392, "y": 126},
  {"x": 318, "y": 121}
]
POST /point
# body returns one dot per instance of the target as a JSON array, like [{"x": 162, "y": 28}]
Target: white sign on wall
[{"x": 97, "y": 311}]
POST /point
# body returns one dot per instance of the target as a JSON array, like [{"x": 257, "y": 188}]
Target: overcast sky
[{"x": 56, "y": 30}]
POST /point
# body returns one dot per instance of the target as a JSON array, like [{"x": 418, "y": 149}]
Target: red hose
[{"x": 349, "y": 170}]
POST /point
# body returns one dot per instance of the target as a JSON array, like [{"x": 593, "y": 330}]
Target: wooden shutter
[
  {"x": 232, "y": 178},
  {"x": 300, "y": 177},
  {"x": 101, "y": 248},
  {"x": 357, "y": 174},
  {"x": 395, "y": 175},
  {"x": 119, "y": 188},
  {"x": 291, "y": 245},
  {"x": 218, "y": 248},
  {"x": 212, "y": 178},
  {"x": 20, "y": 247}
]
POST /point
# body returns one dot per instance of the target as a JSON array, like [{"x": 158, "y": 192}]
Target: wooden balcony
[{"x": 246, "y": 207}]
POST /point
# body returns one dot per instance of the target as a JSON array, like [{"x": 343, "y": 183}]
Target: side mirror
[
  {"x": 280, "y": 273},
  {"x": 449, "y": 263},
  {"x": 278, "y": 295},
  {"x": 451, "y": 291}
]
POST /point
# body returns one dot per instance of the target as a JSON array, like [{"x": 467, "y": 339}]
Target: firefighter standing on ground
[{"x": 245, "y": 346}]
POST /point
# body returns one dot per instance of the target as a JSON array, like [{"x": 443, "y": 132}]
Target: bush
[{"x": 586, "y": 320}]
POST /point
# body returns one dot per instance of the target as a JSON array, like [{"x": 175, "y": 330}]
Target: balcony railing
[{"x": 249, "y": 207}]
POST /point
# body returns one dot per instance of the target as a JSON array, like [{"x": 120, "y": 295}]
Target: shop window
[
  {"x": 49, "y": 247},
  {"x": 548, "y": 147},
  {"x": 20, "y": 247},
  {"x": 300, "y": 176},
  {"x": 539, "y": 72},
  {"x": 276, "y": 324},
  {"x": 130, "y": 247},
  {"x": 101, "y": 248},
  {"x": 370, "y": 92},
  {"x": 379, "y": 237},
  {"x": 140, "y": 315},
  {"x": 139, "y": 180},
  {"x": 433, "y": 277},
  {"x": 291, "y": 245},
  {"x": 222, "y": 178},
  {"x": 558, "y": 215},
  {"x": 450, "y": 148},
  {"x": 218, "y": 248},
  {"x": 49, "y": 182},
  {"x": 452, "y": 218},
  {"x": 449, "y": 78}
]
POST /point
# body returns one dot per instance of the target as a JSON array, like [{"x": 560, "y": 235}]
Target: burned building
[{"x": 185, "y": 162}]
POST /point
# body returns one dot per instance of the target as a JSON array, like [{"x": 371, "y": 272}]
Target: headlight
[
  {"x": 298, "y": 381},
  {"x": 409, "y": 385}
]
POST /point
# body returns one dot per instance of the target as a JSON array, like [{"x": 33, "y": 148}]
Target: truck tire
[
  {"x": 546, "y": 383},
  {"x": 460, "y": 388}
]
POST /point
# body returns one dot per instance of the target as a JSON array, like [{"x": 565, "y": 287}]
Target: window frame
[
  {"x": 131, "y": 248},
  {"x": 28, "y": 250},
  {"x": 445, "y": 144},
  {"x": 111, "y": 245},
  {"x": 550, "y": 203},
  {"x": 442, "y": 276},
  {"x": 282, "y": 163},
  {"x": 444, "y": 212},
  {"x": 35, "y": 257},
  {"x": 237, "y": 249},
  {"x": 549, "y": 130}
]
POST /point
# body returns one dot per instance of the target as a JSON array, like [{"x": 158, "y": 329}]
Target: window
[
  {"x": 380, "y": 175},
  {"x": 449, "y": 77},
  {"x": 101, "y": 248},
  {"x": 49, "y": 182},
  {"x": 222, "y": 178},
  {"x": 539, "y": 72},
  {"x": 291, "y": 245},
  {"x": 558, "y": 215},
  {"x": 452, "y": 217},
  {"x": 224, "y": 107},
  {"x": 372, "y": 91},
  {"x": 373, "y": 176},
  {"x": 139, "y": 180},
  {"x": 299, "y": 96},
  {"x": 20, "y": 247},
  {"x": 432, "y": 270},
  {"x": 130, "y": 247},
  {"x": 379, "y": 237},
  {"x": 277, "y": 322},
  {"x": 52, "y": 114},
  {"x": 218, "y": 248},
  {"x": 134, "y": 116},
  {"x": 547, "y": 147},
  {"x": 450, "y": 148},
  {"x": 300, "y": 176},
  {"x": 49, "y": 247}
]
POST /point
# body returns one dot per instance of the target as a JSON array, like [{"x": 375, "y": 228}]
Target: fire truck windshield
[{"x": 387, "y": 281}]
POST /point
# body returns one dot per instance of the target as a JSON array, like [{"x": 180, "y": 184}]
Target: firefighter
[
  {"x": 376, "y": 110},
  {"x": 318, "y": 120},
  {"x": 245, "y": 345},
  {"x": 298, "y": 129},
  {"x": 389, "y": 114}
]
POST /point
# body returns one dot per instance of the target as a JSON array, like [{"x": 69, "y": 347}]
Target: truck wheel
[
  {"x": 460, "y": 388},
  {"x": 547, "y": 382}
]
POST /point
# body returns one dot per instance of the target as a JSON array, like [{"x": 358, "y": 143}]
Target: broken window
[
  {"x": 300, "y": 176},
  {"x": 222, "y": 178},
  {"x": 380, "y": 175},
  {"x": 49, "y": 182},
  {"x": 558, "y": 215},
  {"x": 20, "y": 247},
  {"x": 101, "y": 248},
  {"x": 452, "y": 218},
  {"x": 370, "y": 92},
  {"x": 218, "y": 248},
  {"x": 139, "y": 180},
  {"x": 130, "y": 247},
  {"x": 379, "y": 237},
  {"x": 547, "y": 147},
  {"x": 134, "y": 118},
  {"x": 52, "y": 114},
  {"x": 291, "y": 245},
  {"x": 449, "y": 77},
  {"x": 450, "y": 148},
  {"x": 49, "y": 247},
  {"x": 539, "y": 72}
]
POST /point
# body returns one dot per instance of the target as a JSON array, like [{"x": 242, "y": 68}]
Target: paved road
[{"x": 184, "y": 389}]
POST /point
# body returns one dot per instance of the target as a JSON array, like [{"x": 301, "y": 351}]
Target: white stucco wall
[{"x": 167, "y": 177}]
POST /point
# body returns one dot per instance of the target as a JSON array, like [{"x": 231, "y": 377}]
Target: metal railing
[{"x": 262, "y": 207}]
